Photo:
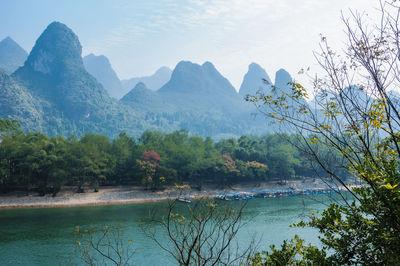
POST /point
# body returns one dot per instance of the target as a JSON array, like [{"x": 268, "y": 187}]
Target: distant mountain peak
[
  {"x": 134, "y": 95},
  {"x": 92, "y": 60},
  {"x": 283, "y": 71},
  {"x": 253, "y": 80},
  {"x": 201, "y": 80},
  {"x": 56, "y": 48},
  {"x": 100, "y": 67},
  {"x": 208, "y": 64},
  {"x": 282, "y": 78},
  {"x": 142, "y": 98},
  {"x": 254, "y": 66},
  {"x": 153, "y": 82},
  {"x": 140, "y": 85},
  {"x": 163, "y": 69},
  {"x": 12, "y": 55},
  {"x": 8, "y": 40},
  {"x": 185, "y": 64},
  {"x": 100, "y": 56}
]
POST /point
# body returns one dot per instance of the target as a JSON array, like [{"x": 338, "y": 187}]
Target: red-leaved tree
[{"x": 148, "y": 163}]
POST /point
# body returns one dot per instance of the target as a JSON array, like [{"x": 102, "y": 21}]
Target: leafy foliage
[
  {"x": 35, "y": 161},
  {"x": 353, "y": 115},
  {"x": 294, "y": 252}
]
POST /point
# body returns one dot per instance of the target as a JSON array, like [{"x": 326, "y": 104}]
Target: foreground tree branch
[
  {"x": 104, "y": 246},
  {"x": 202, "y": 234},
  {"x": 355, "y": 115}
]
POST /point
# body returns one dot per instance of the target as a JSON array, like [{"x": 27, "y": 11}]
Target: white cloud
[{"x": 273, "y": 33}]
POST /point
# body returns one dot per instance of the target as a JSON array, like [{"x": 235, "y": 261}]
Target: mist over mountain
[
  {"x": 197, "y": 98},
  {"x": 12, "y": 55},
  {"x": 191, "y": 87},
  {"x": 140, "y": 97},
  {"x": 199, "y": 87},
  {"x": 189, "y": 77},
  {"x": 153, "y": 82},
  {"x": 58, "y": 92},
  {"x": 100, "y": 68},
  {"x": 254, "y": 80}
]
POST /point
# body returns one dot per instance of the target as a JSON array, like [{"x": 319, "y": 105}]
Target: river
[{"x": 46, "y": 236}]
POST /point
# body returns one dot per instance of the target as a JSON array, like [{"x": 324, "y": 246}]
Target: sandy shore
[{"x": 128, "y": 195}]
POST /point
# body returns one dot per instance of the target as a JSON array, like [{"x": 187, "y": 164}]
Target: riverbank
[{"x": 67, "y": 197}]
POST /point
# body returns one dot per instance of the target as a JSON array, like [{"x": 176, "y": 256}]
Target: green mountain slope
[
  {"x": 55, "y": 75},
  {"x": 17, "y": 103},
  {"x": 54, "y": 93}
]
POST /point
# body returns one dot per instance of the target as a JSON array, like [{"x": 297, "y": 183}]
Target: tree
[
  {"x": 9, "y": 127},
  {"x": 203, "y": 234},
  {"x": 148, "y": 163},
  {"x": 294, "y": 252},
  {"x": 104, "y": 246},
  {"x": 228, "y": 171},
  {"x": 44, "y": 162},
  {"x": 88, "y": 164},
  {"x": 123, "y": 151},
  {"x": 354, "y": 114},
  {"x": 102, "y": 164}
]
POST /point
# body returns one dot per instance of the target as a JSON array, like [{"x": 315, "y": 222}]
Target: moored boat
[
  {"x": 275, "y": 193},
  {"x": 184, "y": 199}
]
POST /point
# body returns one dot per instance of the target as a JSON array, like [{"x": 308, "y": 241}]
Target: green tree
[
  {"x": 354, "y": 114},
  {"x": 123, "y": 151},
  {"x": 33, "y": 160},
  {"x": 45, "y": 163},
  {"x": 9, "y": 127},
  {"x": 294, "y": 252},
  {"x": 88, "y": 164},
  {"x": 12, "y": 155},
  {"x": 98, "y": 150}
]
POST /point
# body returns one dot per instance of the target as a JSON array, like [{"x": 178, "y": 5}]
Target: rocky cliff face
[
  {"x": 56, "y": 50},
  {"x": 54, "y": 72},
  {"x": 72, "y": 99}
]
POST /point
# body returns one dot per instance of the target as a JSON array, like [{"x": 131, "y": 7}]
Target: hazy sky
[{"x": 140, "y": 36}]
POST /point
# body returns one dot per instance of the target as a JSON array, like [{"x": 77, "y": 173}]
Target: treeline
[{"x": 34, "y": 161}]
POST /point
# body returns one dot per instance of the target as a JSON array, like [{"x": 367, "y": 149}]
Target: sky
[{"x": 138, "y": 37}]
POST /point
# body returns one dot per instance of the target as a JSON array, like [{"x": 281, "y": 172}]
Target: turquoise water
[{"x": 46, "y": 236}]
